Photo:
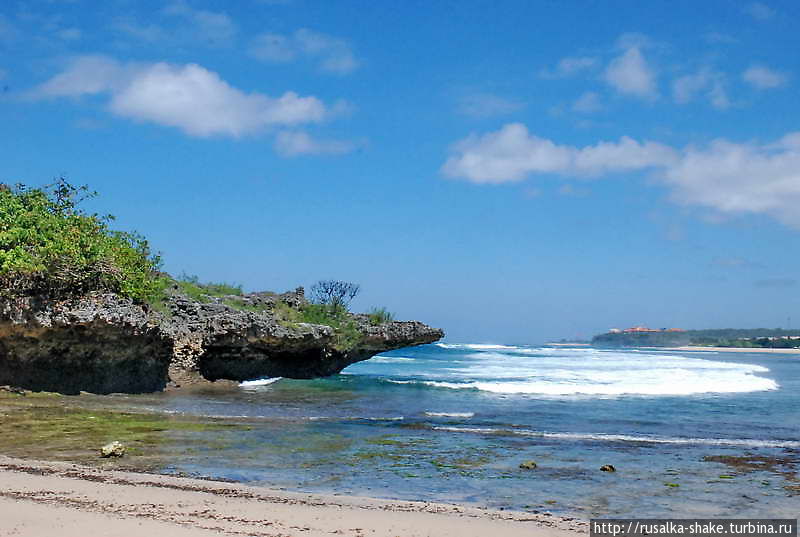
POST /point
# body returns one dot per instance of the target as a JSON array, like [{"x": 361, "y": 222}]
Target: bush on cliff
[
  {"x": 51, "y": 247},
  {"x": 192, "y": 287},
  {"x": 379, "y": 316},
  {"x": 334, "y": 295}
]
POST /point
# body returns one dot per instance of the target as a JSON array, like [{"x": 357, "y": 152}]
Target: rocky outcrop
[
  {"x": 103, "y": 343},
  {"x": 100, "y": 344}
]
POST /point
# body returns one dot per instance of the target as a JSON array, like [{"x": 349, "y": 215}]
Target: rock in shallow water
[
  {"x": 114, "y": 449},
  {"x": 528, "y": 465}
]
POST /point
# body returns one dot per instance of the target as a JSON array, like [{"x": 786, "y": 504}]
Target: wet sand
[{"x": 69, "y": 500}]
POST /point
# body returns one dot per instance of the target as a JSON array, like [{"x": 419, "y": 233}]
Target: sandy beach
[{"x": 41, "y": 499}]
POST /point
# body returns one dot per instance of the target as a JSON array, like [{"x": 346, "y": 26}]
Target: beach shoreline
[{"x": 56, "y": 498}]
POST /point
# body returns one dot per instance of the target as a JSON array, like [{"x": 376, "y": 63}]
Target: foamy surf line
[
  {"x": 450, "y": 414},
  {"x": 475, "y": 346},
  {"x": 600, "y": 437},
  {"x": 259, "y": 382},
  {"x": 740, "y": 385}
]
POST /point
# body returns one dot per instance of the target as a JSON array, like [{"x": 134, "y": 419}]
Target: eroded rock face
[
  {"x": 104, "y": 344},
  {"x": 100, "y": 344}
]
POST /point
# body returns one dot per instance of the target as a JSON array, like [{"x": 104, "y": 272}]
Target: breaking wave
[
  {"x": 259, "y": 382},
  {"x": 506, "y": 369},
  {"x": 600, "y": 437}
]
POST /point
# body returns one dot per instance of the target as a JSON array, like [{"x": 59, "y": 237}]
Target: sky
[{"x": 509, "y": 171}]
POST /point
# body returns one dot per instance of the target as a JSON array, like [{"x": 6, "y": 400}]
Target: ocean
[{"x": 691, "y": 434}]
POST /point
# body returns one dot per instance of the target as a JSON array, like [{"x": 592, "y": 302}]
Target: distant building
[{"x": 643, "y": 329}]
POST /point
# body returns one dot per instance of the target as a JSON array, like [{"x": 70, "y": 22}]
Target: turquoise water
[{"x": 690, "y": 434}]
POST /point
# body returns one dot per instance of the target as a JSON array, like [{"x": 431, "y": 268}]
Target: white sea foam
[
  {"x": 591, "y": 372},
  {"x": 475, "y": 346},
  {"x": 450, "y": 414},
  {"x": 600, "y": 437},
  {"x": 585, "y": 372},
  {"x": 390, "y": 359},
  {"x": 259, "y": 382}
]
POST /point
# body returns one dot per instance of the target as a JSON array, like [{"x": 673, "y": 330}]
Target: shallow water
[{"x": 691, "y": 434}]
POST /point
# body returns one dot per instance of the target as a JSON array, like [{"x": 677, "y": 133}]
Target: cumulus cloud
[
  {"x": 213, "y": 26},
  {"x": 587, "y": 103},
  {"x": 294, "y": 143},
  {"x": 630, "y": 74},
  {"x": 761, "y": 77},
  {"x": 512, "y": 154},
  {"x": 759, "y": 11},
  {"x": 149, "y": 33},
  {"x": 737, "y": 178},
  {"x": 709, "y": 83},
  {"x": 183, "y": 25},
  {"x": 332, "y": 54},
  {"x": 727, "y": 177},
  {"x": 570, "y": 66},
  {"x": 188, "y": 97},
  {"x": 483, "y": 105}
]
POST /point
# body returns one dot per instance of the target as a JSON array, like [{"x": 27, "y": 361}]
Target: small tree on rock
[{"x": 335, "y": 294}]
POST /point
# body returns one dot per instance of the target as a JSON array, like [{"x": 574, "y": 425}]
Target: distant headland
[{"x": 738, "y": 338}]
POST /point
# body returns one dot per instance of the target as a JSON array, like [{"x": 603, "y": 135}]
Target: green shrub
[
  {"x": 49, "y": 246},
  {"x": 378, "y": 316},
  {"x": 201, "y": 292},
  {"x": 344, "y": 326}
]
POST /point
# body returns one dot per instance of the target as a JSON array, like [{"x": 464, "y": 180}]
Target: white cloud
[
  {"x": 294, "y": 143},
  {"x": 587, "y": 103},
  {"x": 512, "y": 153},
  {"x": 763, "y": 77},
  {"x": 149, "y": 33},
  {"x": 709, "y": 83},
  {"x": 629, "y": 73},
  {"x": 274, "y": 48},
  {"x": 759, "y": 11},
  {"x": 741, "y": 178},
  {"x": 86, "y": 75},
  {"x": 188, "y": 97},
  {"x": 729, "y": 178},
  {"x": 211, "y": 26},
  {"x": 183, "y": 25},
  {"x": 483, "y": 105},
  {"x": 570, "y": 66},
  {"x": 332, "y": 54}
]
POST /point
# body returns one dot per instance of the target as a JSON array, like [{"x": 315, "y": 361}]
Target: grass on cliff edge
[
  {"x": 346, "y": 333},
  {"x": 49, "y": 246}
]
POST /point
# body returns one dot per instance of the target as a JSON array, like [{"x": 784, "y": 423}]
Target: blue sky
[{"x": 509, "y": 171}]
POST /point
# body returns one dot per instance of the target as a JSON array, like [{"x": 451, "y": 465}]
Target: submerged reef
[{"x": 105, "y": 343}]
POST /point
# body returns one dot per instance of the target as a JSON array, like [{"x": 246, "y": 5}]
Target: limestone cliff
[{"x": 103, "y": 343}]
